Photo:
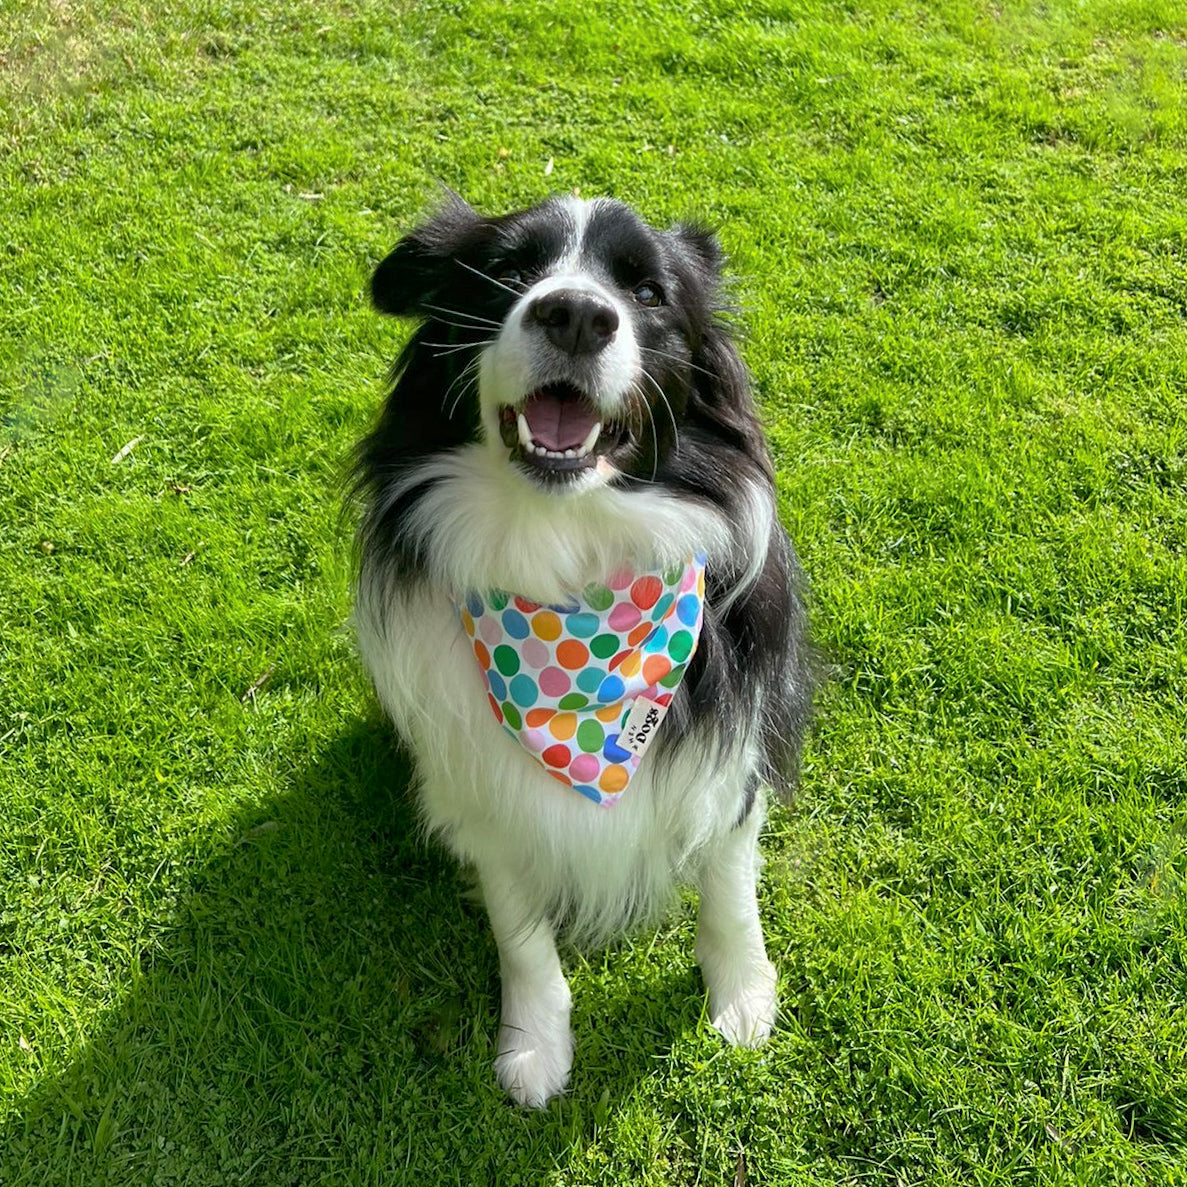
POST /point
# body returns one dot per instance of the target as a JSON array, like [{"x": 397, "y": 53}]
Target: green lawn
[{"x": 959, "y": 232}]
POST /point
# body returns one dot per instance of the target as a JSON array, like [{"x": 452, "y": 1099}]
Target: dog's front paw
[
  {"x": 744, "y": 1011},
  {"x": 532, "y": 1066}
]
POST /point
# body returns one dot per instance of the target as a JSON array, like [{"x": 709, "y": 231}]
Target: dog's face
[{"x": 566, "y": 335}]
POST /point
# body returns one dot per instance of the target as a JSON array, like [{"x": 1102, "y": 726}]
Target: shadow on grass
[{"x": 321, "y": 1006}]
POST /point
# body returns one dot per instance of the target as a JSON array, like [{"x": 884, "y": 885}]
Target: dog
[{"x": 575, "y": 599}]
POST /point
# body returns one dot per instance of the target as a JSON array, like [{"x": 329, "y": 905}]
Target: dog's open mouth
[{"x": 557, "y": 430}]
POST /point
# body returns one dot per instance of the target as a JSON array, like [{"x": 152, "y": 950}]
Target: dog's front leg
[
  {"x": 535, "y": 1043},
  {"x": 730, "y": 949}
]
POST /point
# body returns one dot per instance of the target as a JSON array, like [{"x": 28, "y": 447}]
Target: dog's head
[{"x": 572, "y": 337}]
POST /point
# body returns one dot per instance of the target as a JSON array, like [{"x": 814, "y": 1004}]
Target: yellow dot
[
  {"x": 630, "y": 665},
  {"x": 546, "y": 625},
  {"x": 609, "y": 712},
  {"x": 563, "y": 726},
  {"x": 613, "y": 778}
]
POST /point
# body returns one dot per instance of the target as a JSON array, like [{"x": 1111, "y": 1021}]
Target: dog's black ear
[
  {"x": 701, "y": 244},
  {"x": 419, "y": 265}
]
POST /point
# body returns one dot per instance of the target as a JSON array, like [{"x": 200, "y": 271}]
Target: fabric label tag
[{"x": 641, "y": 726}]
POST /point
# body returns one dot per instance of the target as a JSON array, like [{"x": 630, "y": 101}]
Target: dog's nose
[{"x": 577, "y": 322}]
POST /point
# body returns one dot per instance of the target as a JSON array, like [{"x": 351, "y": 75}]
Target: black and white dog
[{"x": 569, "y": 549}]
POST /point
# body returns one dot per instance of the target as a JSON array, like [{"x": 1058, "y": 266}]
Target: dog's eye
[
  {"x": 511, "y": 277},
  {"x": 648, "y": 294}
]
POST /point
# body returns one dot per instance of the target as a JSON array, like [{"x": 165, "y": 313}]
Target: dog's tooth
[
  {"x": 525, "y": 433},
  {"x": 570, "y": 453},
  {"x": 590, "y": 441}
]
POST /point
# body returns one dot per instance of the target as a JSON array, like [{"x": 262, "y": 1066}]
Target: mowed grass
[{"x": 960, "y": 241}]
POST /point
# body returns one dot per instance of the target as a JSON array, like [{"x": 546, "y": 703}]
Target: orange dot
[
  {"x": 538, "y": 717},
  {"x": 656, "y": 668},
  {"x": 481, "y": 653},
  {"x": 609, "y": 712},
  {"x": 631, "y": 664},
  {"x": 614, "y": 778},
  {"x": 546, "y": 625},
  {"x": 572, "y": 654},
  {"x": 640, "y": 633},
  {"x": 563, "y": 726}
]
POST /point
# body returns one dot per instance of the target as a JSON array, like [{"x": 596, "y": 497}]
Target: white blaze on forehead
[{"x": 578, "y": 214}]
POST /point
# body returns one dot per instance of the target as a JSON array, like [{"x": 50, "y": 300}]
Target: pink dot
[
  {"x": 584, "y": 767},
  {"x": 624, "y": 616},
  {"x": 620, "y": 579},
  {"x": 535, "y": 740},
  {"x": 491, "y": 631},
  {"x": 535, "y": 654},
  {"x": 690, "y": 578},
  {"x": 554, "y": 683}
]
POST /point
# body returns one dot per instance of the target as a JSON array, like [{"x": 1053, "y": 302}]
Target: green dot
[
  {"x": 604, "y": 646},
  {"x": 598, "y": 596},
  {"x": 506, "y": 660},
  {"x": 673, "y": 575},
  {"x": 681, "y": 646},
  {"x": 674, "y": 677},
  {"x": 590, "y": 736},
  {"x": 511, "y": 715},
  {"x": 573, "y": 700},
  {"x": 498, "y": 599}
]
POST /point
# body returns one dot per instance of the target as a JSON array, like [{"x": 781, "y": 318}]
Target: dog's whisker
[
  {"x": 663, "y": 354},
  {"x": 477, "y": 318},
  {"x": 465, "y": 377},
  {"x": 454, "y": 347},
  {"x": 667, "y": 406},
  {"x": 485, "y": 276}
]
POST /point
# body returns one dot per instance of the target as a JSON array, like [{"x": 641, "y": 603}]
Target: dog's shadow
[{"x": 326, "y": 989}]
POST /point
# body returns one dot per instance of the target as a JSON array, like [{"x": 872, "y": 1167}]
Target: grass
[{"x": 961, "y": 245}]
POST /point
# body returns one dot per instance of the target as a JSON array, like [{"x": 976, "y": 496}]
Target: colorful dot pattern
[{"x": 563, "y": 679}]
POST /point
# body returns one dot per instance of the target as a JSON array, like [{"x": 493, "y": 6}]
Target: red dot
[
  {"x": 498, "y": 712},
  {"x": 526, "y": 606},
  {"x": 557, "y": 756},
  {"x": 645, "y": 592},
  {"x": 620, "y": 657}
]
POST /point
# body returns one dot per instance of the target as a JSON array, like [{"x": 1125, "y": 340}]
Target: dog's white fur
[{"x": 530, "y": 839}]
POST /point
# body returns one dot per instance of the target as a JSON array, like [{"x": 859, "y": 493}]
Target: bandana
[{"x": 583, "y": 687}]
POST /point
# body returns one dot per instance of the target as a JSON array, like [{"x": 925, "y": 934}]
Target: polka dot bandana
[{"x": 578, "y": 684}]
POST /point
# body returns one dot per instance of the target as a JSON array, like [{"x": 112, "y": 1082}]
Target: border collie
[{"x": 575, "y": 599}]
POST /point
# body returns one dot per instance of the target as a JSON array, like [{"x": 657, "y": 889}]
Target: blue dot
[
  {"x": 612, "y": 752},
  {"x": 611, "y": 689},
  {"x": 590, "y": 793},
  {"x": 565, "y": 607},
  {"x": 524, "y": 691},
  {"x": 688, "y": 608},
  {"x": 515, "y": 624},
  {"x": 657, "y": 639},
  {"x": 474, "y": 605},
  {"x": 582, "y": 625},
  {"x": 590, "y": 680},
  {"x": 497, "y": 686}
]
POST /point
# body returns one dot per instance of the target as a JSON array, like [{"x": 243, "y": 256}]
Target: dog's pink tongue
[{"x": 558, "y": 423}]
